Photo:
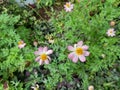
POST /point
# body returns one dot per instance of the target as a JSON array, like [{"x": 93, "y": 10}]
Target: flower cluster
[{"x": 78, "y": 51}]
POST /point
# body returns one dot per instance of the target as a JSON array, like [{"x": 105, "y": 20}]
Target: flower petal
[
  {"x": 49, "y": 58},
  {"x": 37, "y": 59},
  {"x": 65, "y": 6},
  {"x": 46, "y": 61},
  {"x": 75, "y": 59},
  {"x": 40, "y": 49},
  {"x": 82, "y": 58},
  {"x": 71, "y": 6},
  {"x": 68, "y": 9},
  {"x": 80, "y": 43},
  {"x": 85, "y": 47},
  {"x": 22, "y": 45},
  {"x": 45, "y": 49},
  {"x": 49, "y": 52},
  {"x": 86, "y": 53},
  {"x": 37, "y": 52},
  {"x": 40, "y": 62},
  {"x": 70, "y": 48},
  {"x": 71, "y": 55}
]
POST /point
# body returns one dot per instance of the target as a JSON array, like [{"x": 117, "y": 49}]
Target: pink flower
[
  {"x": 79, "y": 51},
  {"x": 68, "y": 7},
  {"x": 111, "y": 32},
  {"x": 21, "y": 44},
  {"x": 42, "y": 54}
]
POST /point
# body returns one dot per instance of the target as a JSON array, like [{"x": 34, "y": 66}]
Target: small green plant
[{"x": 12, "y": 58}]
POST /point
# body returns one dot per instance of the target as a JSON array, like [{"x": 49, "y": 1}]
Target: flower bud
[
  {"x": 35, "y": 43},
  {"x": 112, "y": 23},
  {"x": 103, "y": 55},
  {"x": 91, "y": 87}
]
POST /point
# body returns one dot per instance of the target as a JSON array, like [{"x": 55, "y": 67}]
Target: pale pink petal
[
  {"x": 80, "y": 43},
  {"x": 46, "y": 61},
  {"x": 68, "y": 10},
  {"x": 37, "y": 59},
  {"x": 107, "y": 33},
  {"x": 85, "y": 47},
  {"x": 75, "y": 59},
  {"x": 82, "y": 58},
  {"x": 71, "y": 55},
  {"x": 49, "y": 52},
  {"x": 40, "y": 49},
  {"x": 86, "y": 53},
  {"x": 37, "y": 52},
  {"x": 65, "y": 6},
  {"x": 71, "y": 6},
  {"x": 49, "y": 58},
  {"x": 22, "y": 45},
  {"x": 45, "y": 49},
  {"x": 40, "y": 62},
  {"x": 70, "y": 48}
]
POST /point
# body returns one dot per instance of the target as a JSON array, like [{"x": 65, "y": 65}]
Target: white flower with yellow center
[
  {"x": 42, "y": 54},
  {"x": 111, "y": 32},
  {"x": 68, "y": 7},
  {"x": 21, "y": 44},
  {"x": 79, "y": 51}
]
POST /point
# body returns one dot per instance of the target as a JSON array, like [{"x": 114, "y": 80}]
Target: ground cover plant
[{"x": 60, "y": 45}]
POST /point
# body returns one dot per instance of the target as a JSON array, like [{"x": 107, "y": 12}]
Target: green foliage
[
  {"x": 88, "y": 21},
  {"x": 80, "y": 25},
  {"x": 12, "y": 58},
  {"x": 9, "y": 51}
]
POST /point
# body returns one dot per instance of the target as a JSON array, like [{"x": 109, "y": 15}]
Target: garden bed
[{"x": 60, "y": 45}]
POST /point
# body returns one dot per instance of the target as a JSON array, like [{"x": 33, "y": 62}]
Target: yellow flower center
[
  {"x": 79, "y": 51},
  {"x": 43, "y": 56},
  {"x": 20, "y": 42},
  {"x": 68, "y": 5},
  {"x": 111, "y": 31}
]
